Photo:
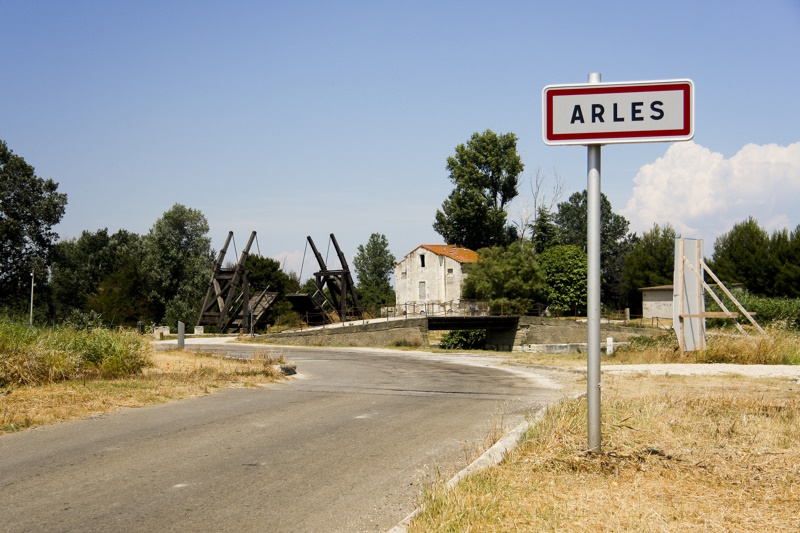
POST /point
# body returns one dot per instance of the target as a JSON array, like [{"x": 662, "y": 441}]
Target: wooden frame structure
[
  {"x": 223, "y": 305},
  {"x": 340, "y": 298},
  {"x": 700, "y": 315}
]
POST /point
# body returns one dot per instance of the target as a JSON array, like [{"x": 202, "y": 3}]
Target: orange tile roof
[{"x": 458, "y": 253}]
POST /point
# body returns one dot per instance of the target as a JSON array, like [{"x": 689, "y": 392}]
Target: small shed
[{"x": 657, "y": 301}]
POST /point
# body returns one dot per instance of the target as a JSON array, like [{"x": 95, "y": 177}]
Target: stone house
[{"x": 428, "y": 280}]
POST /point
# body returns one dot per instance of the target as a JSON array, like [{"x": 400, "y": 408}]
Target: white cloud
[{"x": 702, "y": 194}]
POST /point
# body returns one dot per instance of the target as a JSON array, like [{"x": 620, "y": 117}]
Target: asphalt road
[{"x": 345, "y": 447}]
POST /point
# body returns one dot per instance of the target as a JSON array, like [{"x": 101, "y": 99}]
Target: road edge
[{"x": 491, "y": 457}]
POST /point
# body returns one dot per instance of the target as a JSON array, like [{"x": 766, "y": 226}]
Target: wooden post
[
  {"x": 680, "y": 299},
  {"x": 700, "y": 303}
]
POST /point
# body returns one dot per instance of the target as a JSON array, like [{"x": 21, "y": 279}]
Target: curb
[{"x": 491, "y": 457}]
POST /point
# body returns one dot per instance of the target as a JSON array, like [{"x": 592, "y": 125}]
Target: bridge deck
[{"x": 473, "y": 322}]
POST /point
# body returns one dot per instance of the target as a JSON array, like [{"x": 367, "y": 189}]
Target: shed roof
[{"x": 657, "y": 288}]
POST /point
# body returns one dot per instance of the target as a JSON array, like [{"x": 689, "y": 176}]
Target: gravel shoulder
[{"x": 720, "y": 369}]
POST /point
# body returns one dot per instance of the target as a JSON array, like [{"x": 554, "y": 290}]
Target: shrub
[
  {"x": 767, "y": 310},
  {"x": 474, "y": 339}
]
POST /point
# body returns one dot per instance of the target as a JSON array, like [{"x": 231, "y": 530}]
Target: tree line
[
  {"x": 123, "y": 278},
  {"x": 541, "y": 259},
  {"x": 161, "y": 277}
]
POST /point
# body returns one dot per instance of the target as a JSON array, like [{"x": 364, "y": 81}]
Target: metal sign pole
[
  {"x": 593, "y": 222},
  {"x": 593, "y": 114}
]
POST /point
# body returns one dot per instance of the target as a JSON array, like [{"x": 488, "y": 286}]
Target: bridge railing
[{"x": 477, "y": 308}]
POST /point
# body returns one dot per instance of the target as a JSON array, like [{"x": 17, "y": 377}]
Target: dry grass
[
  {"x": 552, "y": 360},
  {"x": 679, "y": 454},
  {"x": 494, "y": 431},
  {"x": 171, "y": 376},
  {"x": 780, "y": 346}
]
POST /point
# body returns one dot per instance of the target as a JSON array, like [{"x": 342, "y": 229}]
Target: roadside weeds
[
  {"x": 679, "y": 453},
  {"x": 170, "y": 375}
]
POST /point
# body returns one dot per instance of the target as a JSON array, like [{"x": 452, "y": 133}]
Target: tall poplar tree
[
  {"x": 485, "y": 172},
  {"x": 374, "y": 264}
]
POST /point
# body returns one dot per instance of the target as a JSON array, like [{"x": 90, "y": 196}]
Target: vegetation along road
[{"x": 343, "y": 447}]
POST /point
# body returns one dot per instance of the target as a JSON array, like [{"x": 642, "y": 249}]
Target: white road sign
[{"x": 606, "y": 113}]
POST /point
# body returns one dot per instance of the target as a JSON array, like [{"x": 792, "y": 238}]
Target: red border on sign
[{"x": 685, "y": 87}]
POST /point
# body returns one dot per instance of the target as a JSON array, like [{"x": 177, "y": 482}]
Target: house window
[
  {"x": 421, "y": 290},
  {"x": 422, "y": 260},
  {"x": 403, "y": 275},
  {"x": 449, "y": 271}
]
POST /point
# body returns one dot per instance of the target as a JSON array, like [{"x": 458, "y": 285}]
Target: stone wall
[
  {"x": 541, "y": 330},
  {"x": 532, "y": 331},
  {"x": 411, "y": 332}
]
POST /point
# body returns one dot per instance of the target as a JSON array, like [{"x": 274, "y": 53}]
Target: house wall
[
  {"x": 442, "y": 276},
  {"x": 657, "y": 303}
]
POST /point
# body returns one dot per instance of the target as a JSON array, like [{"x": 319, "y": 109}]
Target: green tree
[
  {"x": 374, "y": 264},
  {"x": 565, "y": 276},
  {"x": 121, "y": 297},
  {"x": 650, "y": 263},
  {"x": 545, "y": 231},
  {"x": 615, "y": 241},
  {"x": 509, "y": 277},
  {"x": 29, "y": 208},
  {"x": 742, "y": 256},
  {"x": 485, "y": 174},
  {"x": 785, "y": 252},
  {"x": 178, "y": 261},
  {"x": 309, "y": 286},
  {"x": 78, "y": 266},
  {"x": 100, "y": 273},
  {"x": 263, "y": 272}
]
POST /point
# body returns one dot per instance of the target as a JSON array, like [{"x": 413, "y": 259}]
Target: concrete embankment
[{"x": 529, "y": 334}]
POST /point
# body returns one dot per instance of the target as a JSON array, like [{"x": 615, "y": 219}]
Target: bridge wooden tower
[
  {"x": 340, "y": 299},
  {"x": 224, "y": 304}
]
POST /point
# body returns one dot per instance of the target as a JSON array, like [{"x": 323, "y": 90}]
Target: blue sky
[{"x": 306, "y": 118}]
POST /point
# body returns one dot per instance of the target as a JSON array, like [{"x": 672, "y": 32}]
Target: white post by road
[
  {"x": 31, "y": 319},
  {"x": 181, "y": 335},
  {"x": 593, "y": 296}
]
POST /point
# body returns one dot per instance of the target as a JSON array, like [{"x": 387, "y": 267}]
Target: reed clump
[
  {"x": 780, "y": 346},
  {"x": 33, "y": 355}
]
